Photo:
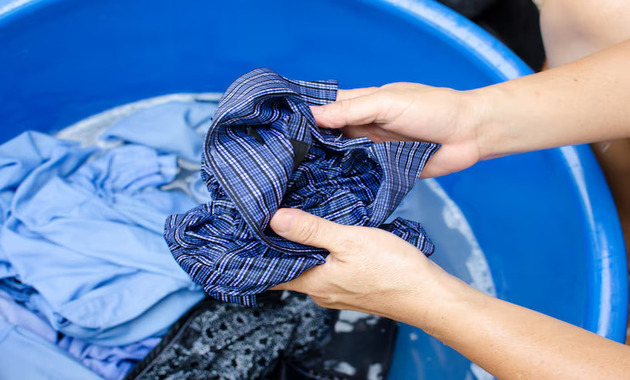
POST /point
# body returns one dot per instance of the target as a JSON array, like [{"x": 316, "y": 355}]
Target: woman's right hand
[{"x": 409, "y": 111}]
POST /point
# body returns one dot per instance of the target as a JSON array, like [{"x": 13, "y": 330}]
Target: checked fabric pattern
[{"x": 264, "y": 151}]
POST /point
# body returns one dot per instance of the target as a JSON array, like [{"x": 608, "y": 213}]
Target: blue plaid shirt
[{"x": 263, "y": 152}]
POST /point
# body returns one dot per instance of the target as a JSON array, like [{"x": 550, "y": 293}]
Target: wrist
[
  {"x": 482, "y": 121},
  {"x": 429, "y": 298}
]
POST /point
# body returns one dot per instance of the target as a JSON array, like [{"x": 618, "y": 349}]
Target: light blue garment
[
  {"x": 176, "y": 127},
  {"x": 84, "y": 228},
  {"x": 81, "y": 244},
  {"x": 18, "y": 157},
  {"x": 26, "y": 355},
  {"x": 111, "y": 363},
  {"x": 185, "y": 122},
  {"x": 18, "y": 291},
  {"x": 17, "y": 315}
]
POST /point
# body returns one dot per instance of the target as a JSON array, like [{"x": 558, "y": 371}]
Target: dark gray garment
[{"x": 222, "y": 341}]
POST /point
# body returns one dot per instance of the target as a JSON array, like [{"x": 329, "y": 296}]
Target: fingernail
[{"x": 283, "y": 221}]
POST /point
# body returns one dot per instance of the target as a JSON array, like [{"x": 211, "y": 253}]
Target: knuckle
[
  {"x": 388, "y": 86},
  {"x": 309, "y": 232},
  {"x": 345, "y": 106},
  {"x": 327, "y": 301},
  {"x": 319, "y": 302}
]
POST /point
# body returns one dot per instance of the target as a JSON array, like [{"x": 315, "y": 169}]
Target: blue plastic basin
[{"x": 545, "y": 220}]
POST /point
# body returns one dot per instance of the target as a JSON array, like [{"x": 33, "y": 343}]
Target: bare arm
[
  {"x": 374, "y": 271},
  {"x": 512, "y": 342},
  {"x": 581, "y": 102}
]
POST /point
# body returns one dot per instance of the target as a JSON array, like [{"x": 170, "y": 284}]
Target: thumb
[
  {"x": 361, "y": 110},
  {"x": 302, "y": 227}
]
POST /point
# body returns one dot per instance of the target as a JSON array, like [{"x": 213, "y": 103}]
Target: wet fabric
[
  {"x": 109, "y": 362},
  {"x": 26, "y": 355},
  {"x": 12, "y": 313},
  {"x": 82, "y": 227},
  {"x": 264, "y": 151},
  {"x": 92, "y": 239},
  {"x": 222, "y": 341},
  {"x": 173, "y": 127}
]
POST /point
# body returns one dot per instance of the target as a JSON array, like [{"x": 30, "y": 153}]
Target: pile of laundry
[
  {"x": 84, "y": 269},
  {"x": 90, "y": 289}
]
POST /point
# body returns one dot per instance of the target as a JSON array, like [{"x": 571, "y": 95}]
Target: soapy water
[{"x": 457, "y": 249}]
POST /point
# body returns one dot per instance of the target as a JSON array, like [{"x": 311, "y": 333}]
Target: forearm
[
  {"x": 512, "y": 342},
  {"x": 581, "y": 102}
]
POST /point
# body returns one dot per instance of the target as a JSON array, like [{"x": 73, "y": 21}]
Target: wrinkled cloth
[
  {"x": 264, "y": 151},
  {"x": 15, "y": 314},
  {"x": 109, "y": 362},
  {"x": 81, "y": 237},
  {"x": 172, "y": 128},
  {"x": 180, "y": 127},
  {"x": 125, "y": 185},
  {"x": 222, "y": 341},
  {"x": 26, "y": 355}
]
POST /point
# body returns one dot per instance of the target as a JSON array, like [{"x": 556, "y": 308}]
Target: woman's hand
[
  {"x": 409, "y": 111},
  {"x": 368, "y": 269}
]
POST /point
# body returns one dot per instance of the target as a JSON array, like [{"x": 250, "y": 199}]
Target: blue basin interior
[{"x": 545, "y": 220}]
